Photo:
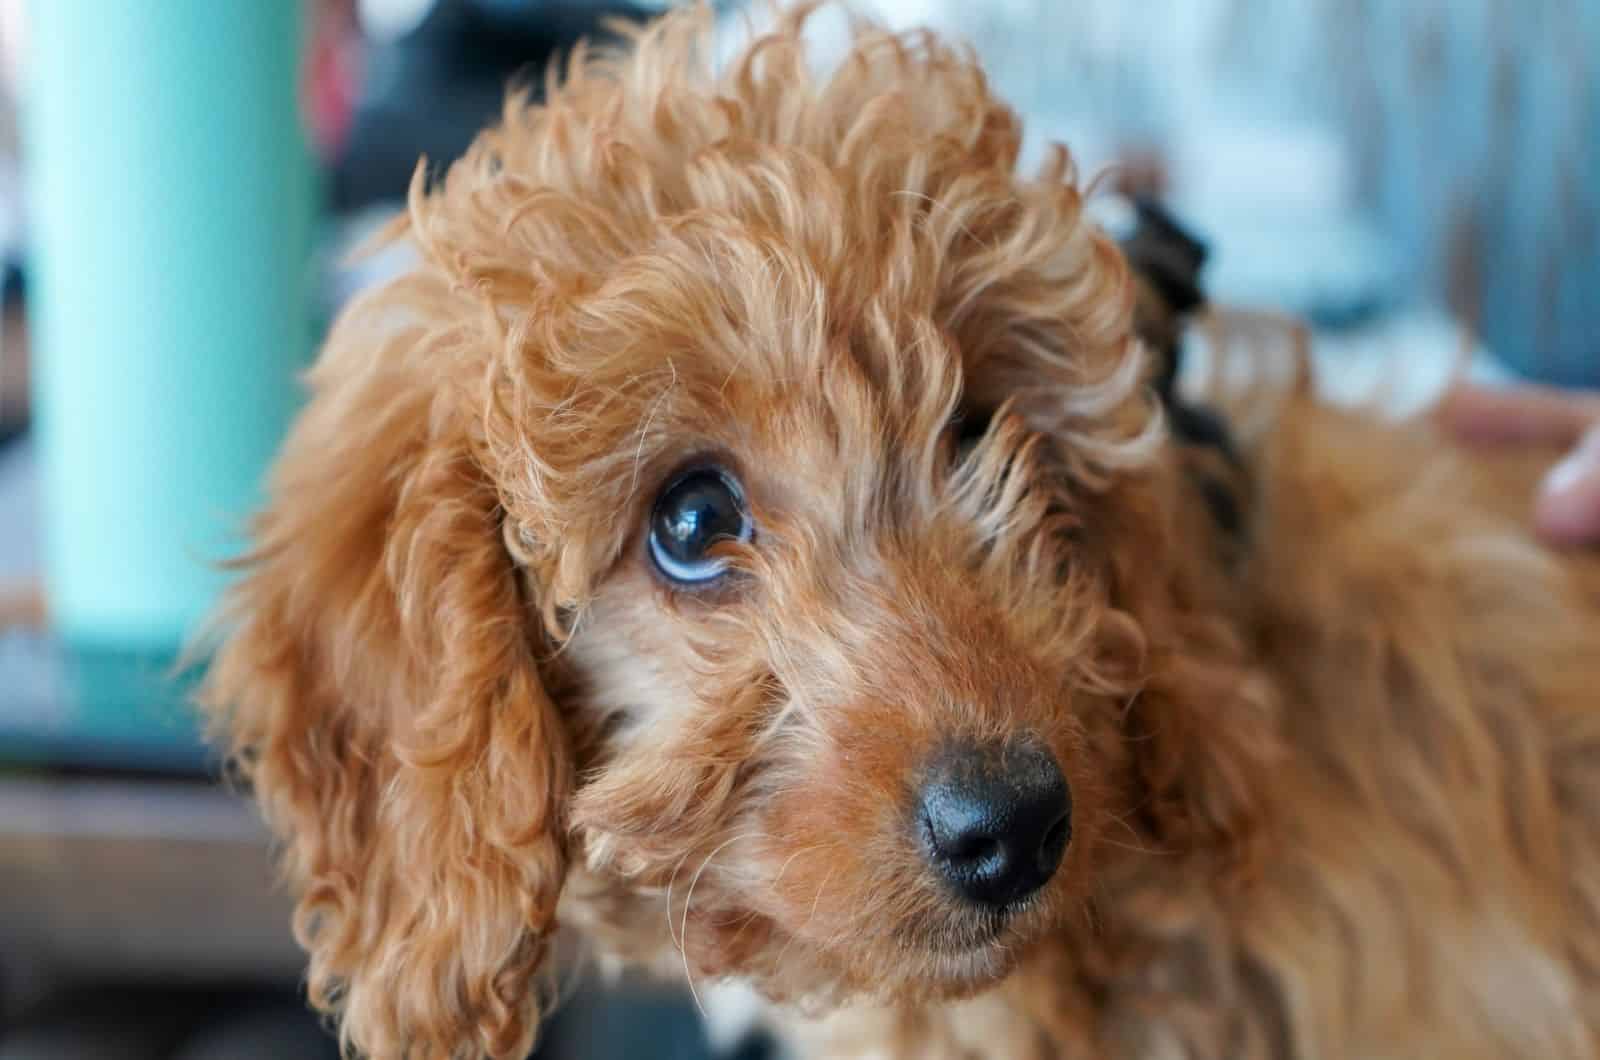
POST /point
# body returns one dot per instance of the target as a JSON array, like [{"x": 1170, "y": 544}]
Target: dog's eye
[
  {"x": 697, "y": 509},
  {"x": 970, "y": 427}
]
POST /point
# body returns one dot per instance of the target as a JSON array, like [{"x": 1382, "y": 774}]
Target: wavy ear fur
[{"x": 377, "y": 684}]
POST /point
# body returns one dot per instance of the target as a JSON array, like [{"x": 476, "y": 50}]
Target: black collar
[{"x": 1167, "y": 262}]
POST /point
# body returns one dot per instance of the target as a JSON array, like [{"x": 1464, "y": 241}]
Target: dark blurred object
[
  {"x": 431, "y": 90},
  {"x": 130, "y": 1021},
  {"x": 1166, "y": 261},
  {"x": 13, "y": 356},
  {"x": 639, "y": 1020}
]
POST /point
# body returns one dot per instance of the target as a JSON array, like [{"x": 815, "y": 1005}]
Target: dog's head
[{"x": 748, "y": 519}]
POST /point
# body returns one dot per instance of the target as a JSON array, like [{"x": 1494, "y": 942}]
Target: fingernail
[
  {"x": 1568, "y": 475},
  {"x": 1568, "y": 509}
]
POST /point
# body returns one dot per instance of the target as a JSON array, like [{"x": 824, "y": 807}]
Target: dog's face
[
  {"x": 742, "y": 531},
  {"x": 835, "y": 644}
]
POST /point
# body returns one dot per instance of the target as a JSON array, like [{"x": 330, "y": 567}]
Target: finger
[
  {"x": 1526, "y": 415},
  {"x": 1567, "y": 511}
]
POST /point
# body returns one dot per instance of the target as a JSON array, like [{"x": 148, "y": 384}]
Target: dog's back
[
  {"x": 1428, "y": 891},
  {"x": 1433, "y": 889}
]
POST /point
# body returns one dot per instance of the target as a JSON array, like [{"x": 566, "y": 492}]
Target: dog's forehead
[
  {"x": 750, "y": 226},
  {"x": 724, "y": 326}
]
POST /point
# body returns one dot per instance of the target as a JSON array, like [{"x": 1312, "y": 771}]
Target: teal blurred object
[{"x": 173, "y": 200}]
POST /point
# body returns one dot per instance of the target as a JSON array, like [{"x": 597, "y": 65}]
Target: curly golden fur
[{"x": 1335, "y": 793}]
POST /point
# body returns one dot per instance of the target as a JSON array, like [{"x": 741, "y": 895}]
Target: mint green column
[{"x": 171, "y": 209}]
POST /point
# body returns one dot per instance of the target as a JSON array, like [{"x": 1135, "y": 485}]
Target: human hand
[{"x": 1567, "y": 510}]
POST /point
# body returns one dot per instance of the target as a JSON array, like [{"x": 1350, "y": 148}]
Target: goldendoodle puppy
[{"x": 748, "y": 542}]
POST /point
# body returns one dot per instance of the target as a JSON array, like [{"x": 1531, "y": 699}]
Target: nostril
[
  {"x": 973, "y": 849},
  {"x": 997, "y": 820}
]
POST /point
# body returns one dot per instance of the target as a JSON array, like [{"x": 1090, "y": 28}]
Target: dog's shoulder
[
  {"x": 1362, "y": 522},
  {"x": 1440, "y": 682}
]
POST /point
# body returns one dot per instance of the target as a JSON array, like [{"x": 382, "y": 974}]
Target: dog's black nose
[{"x": 996, "y": 820}]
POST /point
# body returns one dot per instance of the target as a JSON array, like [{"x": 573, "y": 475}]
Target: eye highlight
[{"x": 696, "y": 510}]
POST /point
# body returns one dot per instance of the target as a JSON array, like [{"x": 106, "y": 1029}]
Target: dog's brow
[{"x": 644, "y": 426}]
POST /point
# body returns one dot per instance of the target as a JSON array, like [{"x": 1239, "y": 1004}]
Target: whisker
[
  {"x": 688, "y": 900},
  {"x": 1133, "y": 700},
  {"x": 676, "y": 941},
  {"x": 790, "y": 861},
  {"x": 744, "y": 923},
  {"x": 1122, "y": 819},
  {"x": 1135, "y": 849},
  {"x": 1092, "y": 920},
  {"x": 815, "y": 902}
]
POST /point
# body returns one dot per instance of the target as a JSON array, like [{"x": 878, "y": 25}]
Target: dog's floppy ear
[{"x": 377, "y": 683}]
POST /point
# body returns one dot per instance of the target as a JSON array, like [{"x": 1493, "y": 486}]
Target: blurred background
[{"x": 178, "y": 184}]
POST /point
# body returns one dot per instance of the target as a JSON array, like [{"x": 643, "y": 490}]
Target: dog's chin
[
  {"x": 930, "y": 960},
  {"x": 952, "y": 975},
  {"x": 963, "y": 954}
]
